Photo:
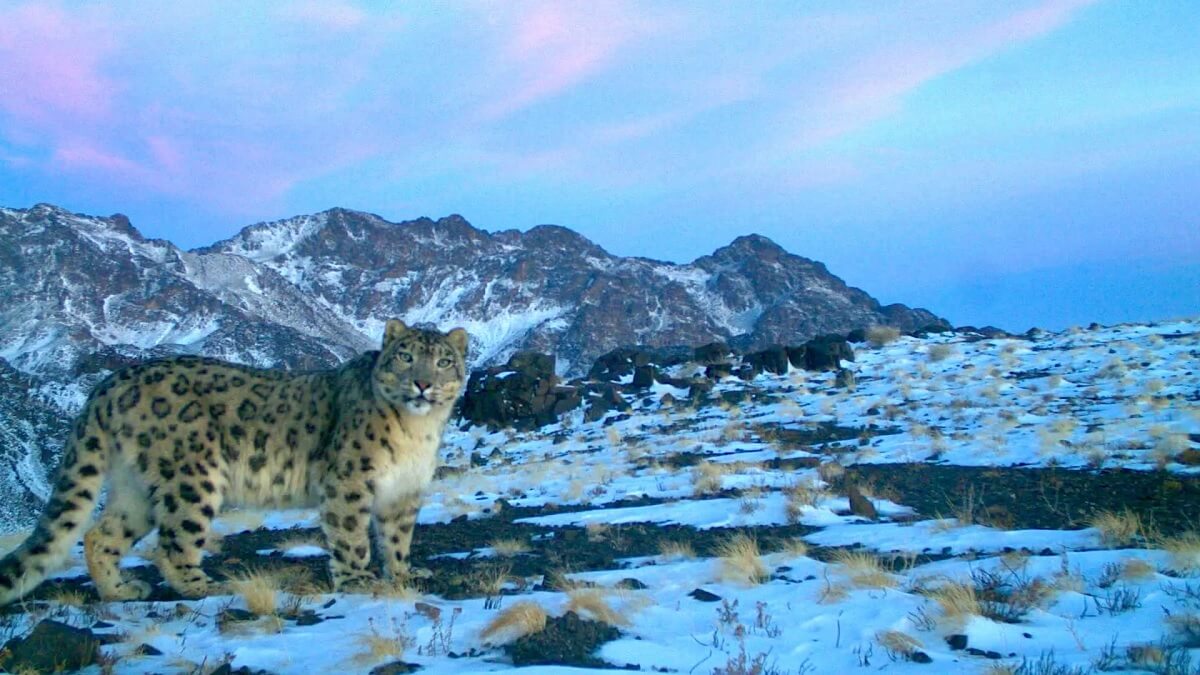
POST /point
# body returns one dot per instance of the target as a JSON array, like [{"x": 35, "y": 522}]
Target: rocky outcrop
[{"x": 523, "y": 393}]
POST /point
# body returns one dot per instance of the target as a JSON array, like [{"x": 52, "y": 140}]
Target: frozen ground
[{"x": 666, "y": 490}]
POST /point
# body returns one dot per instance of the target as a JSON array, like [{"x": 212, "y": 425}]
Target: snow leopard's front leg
[
  {"x": 346, "y": 520},
  {"x": 395, "y": 523}
]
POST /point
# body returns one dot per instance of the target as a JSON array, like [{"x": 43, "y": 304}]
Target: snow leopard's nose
[{"x": 422, "y": 385}]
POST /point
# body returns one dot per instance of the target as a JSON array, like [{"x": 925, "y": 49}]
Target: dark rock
[
  {"x": 525, "y": 393},
  {"x": 858, "y": 335},
  {"x": 920, "y": 657},
  {"x": 567, "y": 640},
  {"x": 631, "y": 584},
  {"x": 643, "y": 376},
  {"x": 748, "y": 371},
  {"x": 798, "y": 356},
  {"x": 308, "y": 619},
  {"x": 718, "y": 371},
  {"x": 147, "y": 650},
  {"x": 957, "y": 642},
  {"x": 667, "y": 400},
  {"x": 712, "y": 353},
  {"x": 228, "y": 669},
  {"x": 704, "y": 596},
  {"x": 827, "y": 353},
  {"x": 52, "y": 647},
  {"x": 395, "y": 668},
  {"x": 770, "y": 360}
]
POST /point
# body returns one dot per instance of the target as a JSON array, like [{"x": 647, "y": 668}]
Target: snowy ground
[{"x": 1083, "y": 400}]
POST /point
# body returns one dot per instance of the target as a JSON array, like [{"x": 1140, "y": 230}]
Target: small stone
[
  {"x": 147, "y": 650},
  {"x": 704, "y": 596},
  {"x": 920, "y": 657},
  {"x": 631, "y": 584},
  {"x": 957, "y": 641}
]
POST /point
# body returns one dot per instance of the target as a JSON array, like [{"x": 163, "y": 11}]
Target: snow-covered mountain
[
  {"x": 310, "y": 290},
  {"x": 85, "y": 294}
]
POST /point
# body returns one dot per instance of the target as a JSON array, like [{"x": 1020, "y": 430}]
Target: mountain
[
  {"x": 551, "y": 289},
  {"x": 86, "y": 294}
]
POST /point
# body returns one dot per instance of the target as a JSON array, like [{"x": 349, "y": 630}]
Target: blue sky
[{"x": 1015, "y": 163}]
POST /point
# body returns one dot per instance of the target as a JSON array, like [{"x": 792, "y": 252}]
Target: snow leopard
[{"x": 176, "y": 439}]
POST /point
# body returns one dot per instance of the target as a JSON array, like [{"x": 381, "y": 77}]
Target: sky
[{"x": 1018, "y": 163}]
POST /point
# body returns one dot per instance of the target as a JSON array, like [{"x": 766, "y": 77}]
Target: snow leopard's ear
[
  {"x": 394, "y": 329},
  {"x": 458, "y": 339}
]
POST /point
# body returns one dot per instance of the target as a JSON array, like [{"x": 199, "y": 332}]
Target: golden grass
[
  {"x": 863, "y": 569},
  {"x": 882, "y": 335},
  {"x": 1118, "y": 529},
  {"x": 741, "y": 561},
  {"x": 260, "y": 591},
  {"x": 706, "y": 477},
  {"x": 1136, "y": 569},
  {"x": 70, "y": 597},
  {"x": 957, "y": 600},
  {"x": 898, "y": 643},
  {"x": 794, "y": 548},
  {"x": 378, "y": 646},
  {"x": 676, "y": 550},
  {"x": 592, "y": 602},
  {"x": 1184, "y": 550},
  {"x": 509, "y": 547},
  {"x": 519, "y": 620}
]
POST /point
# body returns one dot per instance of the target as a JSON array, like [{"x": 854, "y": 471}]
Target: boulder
[
  {"x": 826, "y": 352},
  {"x": 644, "y": 376},
  {"x": 524, "y": 393},
  {"x": 52, "y": 647},
  {"x": 773, "y": 359},
  {"x": 713, "y": 353}
]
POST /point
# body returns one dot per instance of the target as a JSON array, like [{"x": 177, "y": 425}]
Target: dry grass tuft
[
  {"x": 379, "y": 646},
  {"x": 882, "y": 335},
  {"x": 509, "y": 547},
  {"x": 259, "y": 589},
  {"x": 864, "y": 569},
  {"x": 706, "y": 477},
  {"x": 831, "y": 471},
  {"x": 1118, "y": 529},
  {"x": 958, "y": 600},
  {"x": 592, "y": 602},
  {"x": 1136, "y": 569},
  {"x": 794, "y": 548},
  {"x": 676, "y": 550},
  {"x": 519, "y": 620},
  {"x": 1185, "y": 552},
  {"x": 895, "y": 642},
  {"x": 741, "y": 561},
  {"x": 941, "y": 352}
]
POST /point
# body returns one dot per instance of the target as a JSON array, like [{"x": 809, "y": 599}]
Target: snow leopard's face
[{"x": 419, "y": 370}]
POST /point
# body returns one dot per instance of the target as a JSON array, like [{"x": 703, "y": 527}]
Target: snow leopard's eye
[
  {"x": 444, "y": 363},
  {"x": 405, "y": 357}
]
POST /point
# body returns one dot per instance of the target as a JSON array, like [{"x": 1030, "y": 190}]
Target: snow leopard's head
[{"x": 420, "y": 369}]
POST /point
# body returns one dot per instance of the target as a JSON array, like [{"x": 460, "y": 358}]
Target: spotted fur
[{"x": 176, "y": 439}]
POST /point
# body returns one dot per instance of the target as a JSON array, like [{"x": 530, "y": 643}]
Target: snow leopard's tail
[{"x": 81, "y": 475}]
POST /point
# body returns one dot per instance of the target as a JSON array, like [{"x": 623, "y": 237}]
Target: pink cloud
[
  {"x": 557, "y": 46},
  {"x": 873, "y": 89},
  {"x": 52, "y": 66},
  {"x": 86, "y": 156}
]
